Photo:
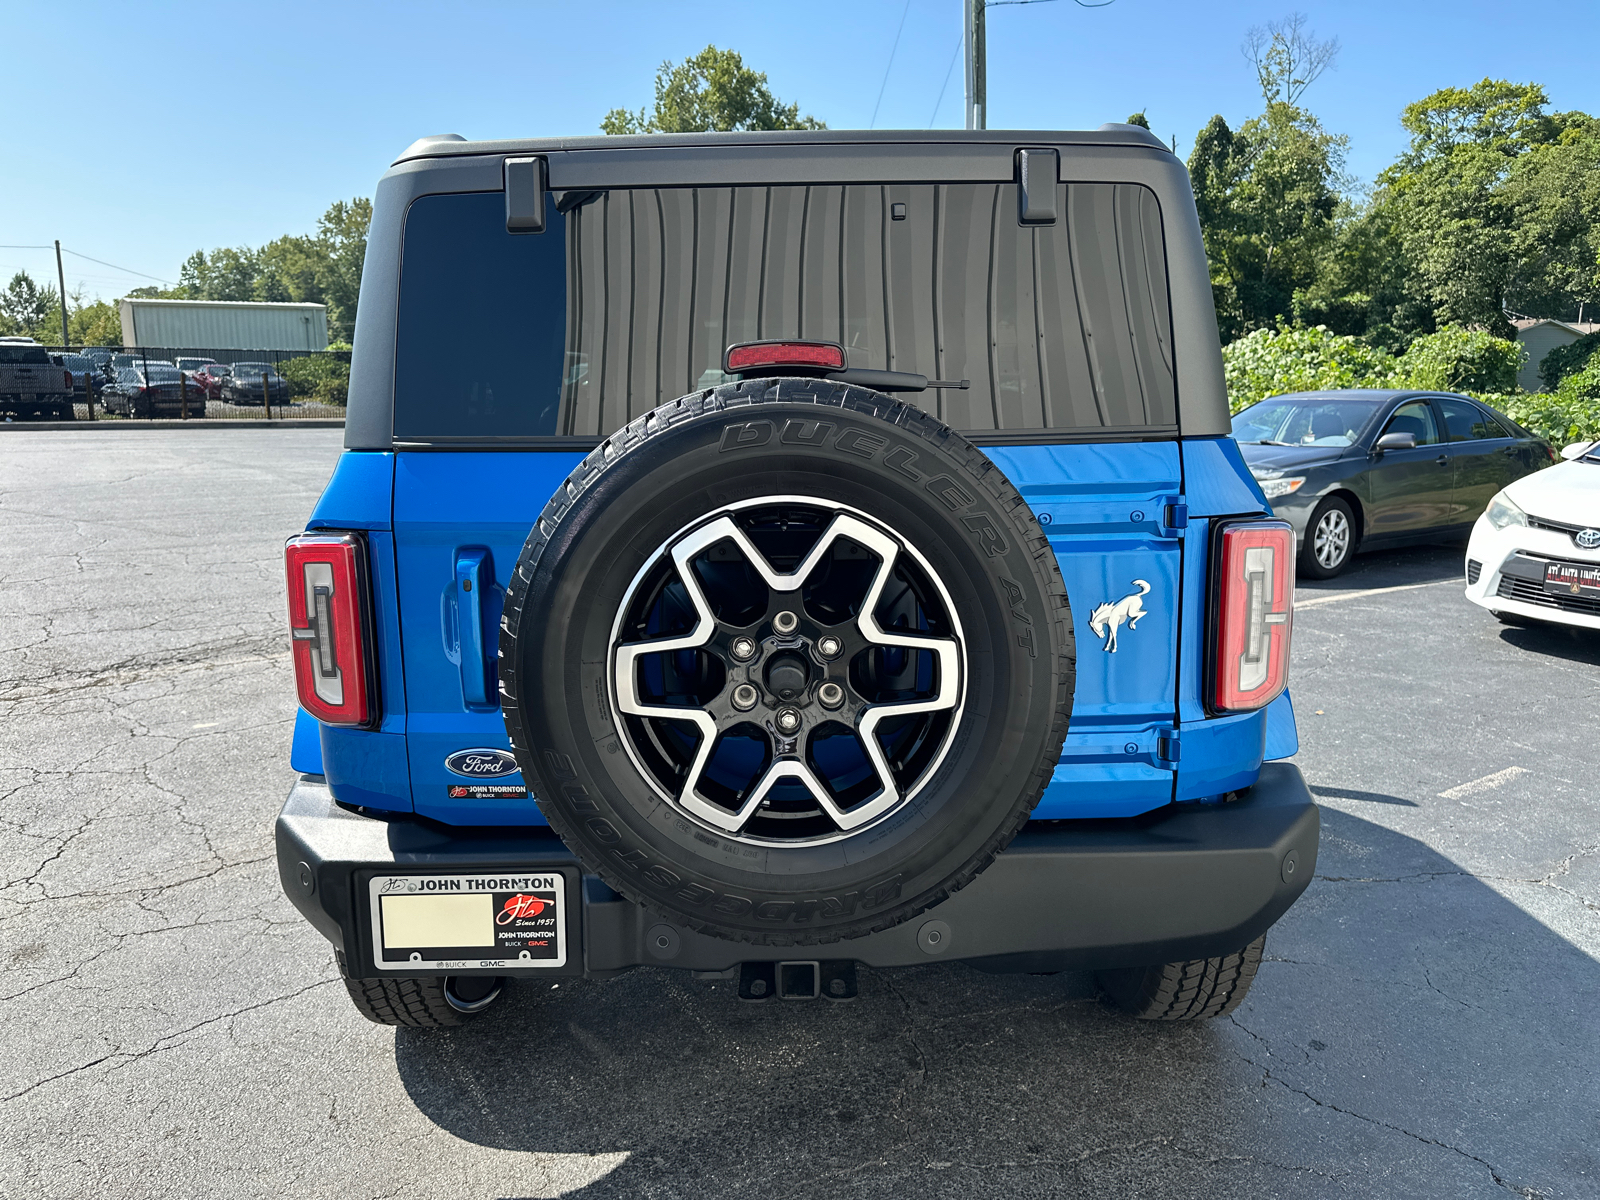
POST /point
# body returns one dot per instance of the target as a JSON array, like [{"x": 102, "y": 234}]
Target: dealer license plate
[
  {"x": 494, "y": 921},
  {"x": 1572, "y": 579}
]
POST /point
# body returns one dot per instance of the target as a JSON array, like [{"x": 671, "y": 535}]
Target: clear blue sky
[{"x": 139, "y": 133}]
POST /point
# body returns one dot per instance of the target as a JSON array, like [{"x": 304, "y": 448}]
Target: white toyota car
[{"x": 1535, "y": 552}]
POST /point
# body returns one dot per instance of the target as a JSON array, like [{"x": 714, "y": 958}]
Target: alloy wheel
[
  {"x": 790, "y": 671},
  {"x": 1331, "y": 539}
]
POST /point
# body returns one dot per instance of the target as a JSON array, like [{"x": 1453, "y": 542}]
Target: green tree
[
  {"x": 1138, "y": 119},
  {"x": 320, "y": 268},
  {"x": 97, "y": 324},
  {"x": 28, "y": 310},
  {"x": 1454, "y": 214},
  {"x": 713, "y": 90},
  {"x": 1267, "y": 196}
]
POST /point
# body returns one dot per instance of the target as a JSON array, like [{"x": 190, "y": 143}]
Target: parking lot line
[
  {"x": 1329, "y": 599},
  {"x": 1487, "y": 783}
]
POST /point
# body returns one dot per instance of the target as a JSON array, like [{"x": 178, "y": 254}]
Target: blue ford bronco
[{"x": 768, "y": 554}]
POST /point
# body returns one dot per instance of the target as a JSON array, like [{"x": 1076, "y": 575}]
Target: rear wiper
[{"x": 893, "y": 381}]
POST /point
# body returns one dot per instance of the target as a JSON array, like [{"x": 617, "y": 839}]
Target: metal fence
[{"x": 142, "y": 383}]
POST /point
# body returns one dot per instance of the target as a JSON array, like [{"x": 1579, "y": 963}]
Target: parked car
[
  {"x": 159, "y": 391},
  {"x": 210, "y": 378},
  {"x": 1535, "y": 551},
  {"x": 85, "y": 379},
  {"x": 787, "y": 661},
  {"x": 1360, "y": 469},
  {"x": 243, "y": 384},
  {"x": 192, "y": 366},
  {"x": 30, "y": 384}
]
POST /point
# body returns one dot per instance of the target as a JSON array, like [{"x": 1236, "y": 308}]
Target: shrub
[
  {"x": 324, "y": 378},
  {"x": 1462, "y": 360},
  {"x": 1569, "y": 414},
  {"x": 1271, "y": 362},
  {"x": 1567, "y": 360}
]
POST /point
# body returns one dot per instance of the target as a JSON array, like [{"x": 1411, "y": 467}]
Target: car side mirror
[
  {"x": 1576, "y": 450},
  {"x": 1396, "y": 441}
]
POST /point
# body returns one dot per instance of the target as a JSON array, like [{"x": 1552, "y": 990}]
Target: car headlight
[
  {"x": 1502, "y": 513},
  {"x": 1274, "y": 489}
]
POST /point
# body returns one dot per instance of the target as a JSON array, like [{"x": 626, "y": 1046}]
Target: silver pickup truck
[{"x": 30, "y": 384}]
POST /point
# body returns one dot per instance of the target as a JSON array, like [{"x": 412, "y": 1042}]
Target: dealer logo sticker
[{"x": 481, "y": 764}]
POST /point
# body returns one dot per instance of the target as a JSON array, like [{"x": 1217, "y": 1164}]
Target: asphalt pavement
[{"x": 1427, "y": 1021}]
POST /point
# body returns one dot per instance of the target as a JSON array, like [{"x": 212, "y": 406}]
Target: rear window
[
  {"x": 629, "y": 298},
  {"x": 24, "y": 356}
]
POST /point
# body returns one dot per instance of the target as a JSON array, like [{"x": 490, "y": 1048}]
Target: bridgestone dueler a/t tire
[
  {"x": 1185, "y": 991},
  {"x": 847, "y": 446}
]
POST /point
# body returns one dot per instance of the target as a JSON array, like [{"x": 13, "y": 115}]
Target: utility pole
[
  {"x": 977, "y": 84},
  {"x": 61, "y": 280}
]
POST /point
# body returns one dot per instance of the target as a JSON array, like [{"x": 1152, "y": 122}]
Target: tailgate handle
[{"x": 474, "y": 587}]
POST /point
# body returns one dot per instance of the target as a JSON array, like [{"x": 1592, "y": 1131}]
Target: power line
[
  {"x": 889, "y": 66},
  {"x": 101, "y": 261},
  {"x": 955, "y": 55}
]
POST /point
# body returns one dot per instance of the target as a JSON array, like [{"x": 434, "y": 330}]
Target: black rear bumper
[{"x": 1191, "y": 881}]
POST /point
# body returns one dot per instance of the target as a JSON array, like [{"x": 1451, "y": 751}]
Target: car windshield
[
  {"x": 76, "y": 361},
  {"x": 250, "y": 368},
  {"x": 163, "y": 374},
  {"x": 1311, "y": 421}
]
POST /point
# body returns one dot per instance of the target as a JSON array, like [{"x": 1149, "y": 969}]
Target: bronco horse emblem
[{"x": 1108, "y": 616}]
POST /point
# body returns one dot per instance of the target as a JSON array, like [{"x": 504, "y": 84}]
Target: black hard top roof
[{"x": 453, "y": 145}]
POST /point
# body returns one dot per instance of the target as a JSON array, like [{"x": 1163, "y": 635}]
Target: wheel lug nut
[
  {"x": 786, "y": 622},
  {"x": 831, "y": 695},
  {"x": 744, "y": 649},
  {"x": 829, "y": 647},
  {"x": 745, "y": 697},
  {"x": 788, "y": 720}
]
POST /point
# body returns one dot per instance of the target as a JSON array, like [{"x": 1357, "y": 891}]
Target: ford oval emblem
[
  {"x": 481, "y": 764},
  {"x": 1587, "y": 539}
]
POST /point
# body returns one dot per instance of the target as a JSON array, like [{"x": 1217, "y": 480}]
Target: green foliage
[
  {"x": 1271, "y": 362},
  {"x": 1138, "y": 119},
  {"x": 1462, "y": 360},
  {"x": 97, "y": 324},
  {"x": 1569, "y": 414},
  {"x": 1568, "y": 360},
  {"x": 321, "y": 377},
  {"x": 28, "y": 310},
  {"x": 1267, "y": 196},
  {"x": 1495, "y": 204},
  {"x": 713, "y": 90},
  {"x": 323, "y": 268}
]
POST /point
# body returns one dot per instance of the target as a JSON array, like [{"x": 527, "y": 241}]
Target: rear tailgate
[{"x": 461, "y": 516}]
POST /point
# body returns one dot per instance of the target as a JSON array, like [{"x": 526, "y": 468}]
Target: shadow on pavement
[
  {"x": 1555, "y": 641},
  {"x": 1392, "y": 568},
  {"x": 1412, "y": 1032},
  {"x": 1334, "y": 793}
]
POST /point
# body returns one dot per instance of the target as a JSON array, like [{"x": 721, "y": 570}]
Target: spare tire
[{"x": 787, "y": 661}]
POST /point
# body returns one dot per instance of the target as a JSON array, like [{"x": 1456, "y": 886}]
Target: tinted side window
[
  {"x": 482, "y": 321},
  {"x": 1416, "y": 418},
  {"x": 1467, "y": 422},
  {"x": 629, "y": 298}
]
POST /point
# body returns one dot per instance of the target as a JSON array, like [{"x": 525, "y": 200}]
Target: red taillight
[
  {"x": 328, "y": 621},
  {"x": 759, "y": 356},
  {"x": 1255, "y": 610},
  {"x": 70, "y": 384}
]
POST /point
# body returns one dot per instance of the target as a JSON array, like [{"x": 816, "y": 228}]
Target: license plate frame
[
  {"x": 501, "y": 920},
  {"x": 1572, "y": 579}
]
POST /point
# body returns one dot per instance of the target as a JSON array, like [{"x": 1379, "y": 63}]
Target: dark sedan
[
  {"x": 158, "y": 391},
  {"x": 243, "y": 385},
  {"x": 1365, "y": 469}
]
